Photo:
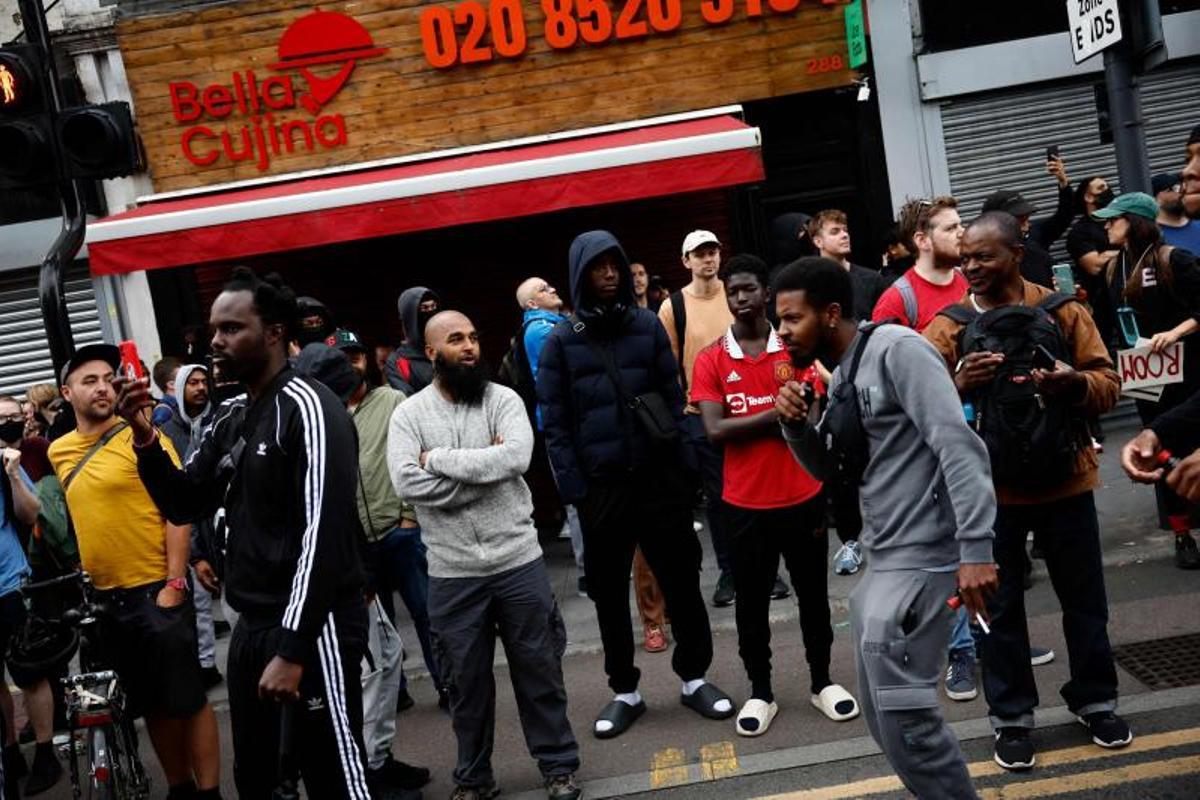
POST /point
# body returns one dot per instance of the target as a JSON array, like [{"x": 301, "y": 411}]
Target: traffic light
[
  {"x": 40, "y": 146},
  {"x": 1147, "y": 45},
  {"x": 98, "y": 141},
  {"x": 26, "y": 131}
]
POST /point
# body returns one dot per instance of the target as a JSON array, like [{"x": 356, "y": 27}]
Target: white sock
[
  {"x": 691, "y": 686},
  {"x": 629, "y": 698}
]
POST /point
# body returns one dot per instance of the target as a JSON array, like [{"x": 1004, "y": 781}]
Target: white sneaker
[{"x": 848, "y": 558}]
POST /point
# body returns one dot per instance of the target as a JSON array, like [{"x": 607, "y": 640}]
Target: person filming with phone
[{"x": 138, "y": 562}]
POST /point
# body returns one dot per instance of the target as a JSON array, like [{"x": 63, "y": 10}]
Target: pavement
[{"x": 676, "y": 754}]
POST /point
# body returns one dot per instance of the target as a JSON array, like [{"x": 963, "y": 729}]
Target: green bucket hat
[{"x": 1137, "y": 203}]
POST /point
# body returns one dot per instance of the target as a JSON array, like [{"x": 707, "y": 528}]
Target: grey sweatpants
[
  {"x": 380, "y": 685},
  {"x": 901, "y": 626},
  {"x": 206, "y": 637},
  {"x": 465, "y": 617}
]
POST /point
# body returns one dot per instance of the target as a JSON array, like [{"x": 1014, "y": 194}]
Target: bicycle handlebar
[{"x": 78, "y": 576}]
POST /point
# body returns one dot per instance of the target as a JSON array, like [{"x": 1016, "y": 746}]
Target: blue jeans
[
  {"x": 400, "y": 566},
  {"x": 962, "y": 638}
]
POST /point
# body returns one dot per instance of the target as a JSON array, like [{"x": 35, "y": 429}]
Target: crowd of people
[{"x": 937, "y": 410}]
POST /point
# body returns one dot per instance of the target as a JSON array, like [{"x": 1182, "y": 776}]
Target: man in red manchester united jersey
[{"x": 776, "y": 508}]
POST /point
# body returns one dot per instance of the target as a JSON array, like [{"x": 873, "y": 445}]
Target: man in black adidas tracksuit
[{"x": 282, "y": 460}]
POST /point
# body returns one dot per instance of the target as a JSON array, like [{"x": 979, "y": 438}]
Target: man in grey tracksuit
[
  {"x": 457, "y": 450},
  {"x": 928, "y": 508}
]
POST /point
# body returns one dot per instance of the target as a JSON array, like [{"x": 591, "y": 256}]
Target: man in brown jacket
[{"x": 1056, "y": 504}]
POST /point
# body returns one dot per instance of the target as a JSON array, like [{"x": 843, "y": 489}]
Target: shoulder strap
[
  {"x": 909, "y": 295},
  {"x": 679, "y": 312},
  {"x": 864, "y": 333},
  {"x": 1056, "y": 300},
  {"x": 602, "y": 356},
  {"x": 95, "y": 448},
  {"x": 960, "y": 314}
]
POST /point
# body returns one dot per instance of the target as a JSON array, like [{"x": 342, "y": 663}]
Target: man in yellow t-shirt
[{"x": 138, "y": 561}]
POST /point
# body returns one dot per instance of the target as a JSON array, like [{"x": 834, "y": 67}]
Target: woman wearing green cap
[{"x": 1156, "y": 289}]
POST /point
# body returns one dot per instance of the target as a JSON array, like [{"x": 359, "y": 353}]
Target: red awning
[{"x": 498, "y": 183}]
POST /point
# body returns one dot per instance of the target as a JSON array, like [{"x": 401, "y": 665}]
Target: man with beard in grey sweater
[
  {"x": 457, "y": 450},
  {"x": 927, "y": 506}
]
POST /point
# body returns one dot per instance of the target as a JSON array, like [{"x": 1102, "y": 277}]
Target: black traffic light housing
[
  {"x": 1147, "y": 45},
  {"x": 98, "y": 141},
  {"x": 26, "y": 132},
  {"x": 40, "y": 146}
]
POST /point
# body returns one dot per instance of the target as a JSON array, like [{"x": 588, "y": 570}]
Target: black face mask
[
  {"x": 1104, "y": 198},
  {"x": 12, "y": 432}
]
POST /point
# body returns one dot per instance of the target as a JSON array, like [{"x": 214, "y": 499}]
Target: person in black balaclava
[
  {"x": 407, "y": 367},
  {"x": 314, "y": 321}
]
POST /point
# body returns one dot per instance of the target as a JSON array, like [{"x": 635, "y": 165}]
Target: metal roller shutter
[
  {"x": 999, "y": 140},
  {"x": 24, "y": 351}
]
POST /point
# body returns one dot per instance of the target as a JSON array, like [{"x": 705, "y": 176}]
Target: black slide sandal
[
  {"x": 621, "y": 715},
  {"x": 703, "y": 700}
]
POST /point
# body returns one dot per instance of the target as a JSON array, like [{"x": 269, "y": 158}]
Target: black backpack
[
  {"x": 516, "y": 374},
  {"x": 1033, "y": 440},
  {"x": 841, "y": 427}
]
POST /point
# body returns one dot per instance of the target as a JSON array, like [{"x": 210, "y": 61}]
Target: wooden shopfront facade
[{"x": 364, "y": 147}]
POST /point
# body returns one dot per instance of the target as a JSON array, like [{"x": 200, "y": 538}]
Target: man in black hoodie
[
  {"x": 632, "y": 488},
  {"x": 282, "y": 458},
  {"x": 407, "y": 367}
]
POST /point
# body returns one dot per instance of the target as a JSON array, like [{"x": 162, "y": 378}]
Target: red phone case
[{"x": 131, "y": 365}]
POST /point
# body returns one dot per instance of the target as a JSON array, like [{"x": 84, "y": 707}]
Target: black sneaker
[
  {"x": 44, "y": 772},
  {"x": 404, "y": 700},
  {"x": 780, "y": 590},
  {"x": 562, "y": 787},
  {"x": 723, "y": 596},
  {"x": 406, "y": 776},
  {"x": 212, "y": 676},
  {"x": 221, "y": 628},
  {"x": 1014, "y": 749},
  {"x": 1108, "y": 730},
  {"x": 444, "y": 700},
  {"x": 1187, "y": 556}
]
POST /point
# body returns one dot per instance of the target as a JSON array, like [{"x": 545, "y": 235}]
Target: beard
[
  {"x": 1175, "y": 208},
  {"x": 466, "y": 383}
]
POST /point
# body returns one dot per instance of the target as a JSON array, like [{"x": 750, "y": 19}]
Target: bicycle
[{"x": 95, "y": 699}]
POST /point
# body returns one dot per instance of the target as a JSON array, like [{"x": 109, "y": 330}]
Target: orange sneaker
[{"x": 656, "y": 639}]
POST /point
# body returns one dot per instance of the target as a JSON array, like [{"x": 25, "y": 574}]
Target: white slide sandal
[
  {"x": 836, "y": 703},
  {"x": 755, "y": 717}
]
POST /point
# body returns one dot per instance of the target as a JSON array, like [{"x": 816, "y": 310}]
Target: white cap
[{"x": 697, "y": 238}]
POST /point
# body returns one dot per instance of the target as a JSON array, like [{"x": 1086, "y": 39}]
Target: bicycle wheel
[
  {"x": 100, "y": 778},
  {"x": 132, "y": 781}
]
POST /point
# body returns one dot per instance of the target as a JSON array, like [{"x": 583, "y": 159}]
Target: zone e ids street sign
[{"x": 1094, "y": 25}]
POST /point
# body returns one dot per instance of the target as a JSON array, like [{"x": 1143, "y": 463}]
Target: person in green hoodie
[{"x": 397, "y": 551}]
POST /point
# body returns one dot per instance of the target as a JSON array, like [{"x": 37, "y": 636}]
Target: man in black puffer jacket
[{"x": 629, "y": 491}]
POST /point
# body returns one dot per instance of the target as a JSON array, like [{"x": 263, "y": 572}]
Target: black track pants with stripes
[{"x": 327, "y": 722}]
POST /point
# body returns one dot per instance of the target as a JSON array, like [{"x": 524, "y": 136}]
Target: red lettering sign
[
  {"x": 470, "y": 33},
  {"x": 322, "y": 47}
]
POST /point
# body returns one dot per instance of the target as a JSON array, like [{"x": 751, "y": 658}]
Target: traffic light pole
[
  {"x": 70, "y": 239},
  {"x": 1125, "y": 118}
]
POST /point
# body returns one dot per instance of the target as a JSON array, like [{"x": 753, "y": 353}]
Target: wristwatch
[{"x": 178, "y": 583}]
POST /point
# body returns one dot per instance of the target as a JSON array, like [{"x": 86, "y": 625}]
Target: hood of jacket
[
  {"x": 326, "y": 365},
  {"x": 409, "y": 306},
  {"x": 181, "y": 379},
  {"x": 583, "y": 251}
]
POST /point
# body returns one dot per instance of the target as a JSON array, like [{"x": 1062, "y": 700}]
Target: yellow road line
[
  {"x": 980, "y": 769},
  {"x": 668, "y": 768},
  {"x": 718, "y": 761},
  {"x": 1098, "y": 779}
]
